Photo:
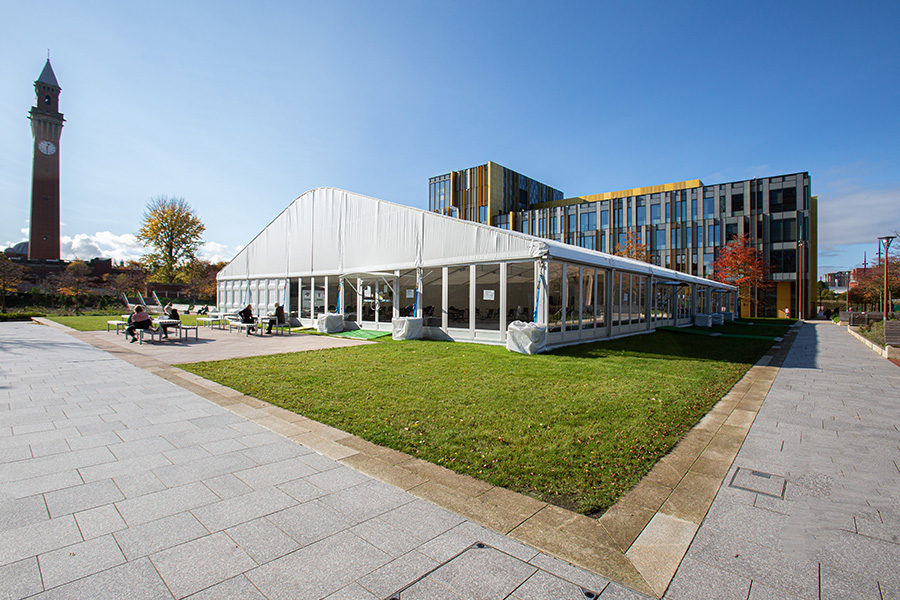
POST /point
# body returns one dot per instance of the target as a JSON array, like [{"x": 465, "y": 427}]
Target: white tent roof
[{"x": 332, "y": 231}]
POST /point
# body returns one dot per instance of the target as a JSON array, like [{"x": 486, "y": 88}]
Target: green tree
[
  {"x": 174, "y": 233},
  {"x": 201, "y": 275},
  {"x": 75, "y": 281},
  {"x": 10, "y": 278},
  {"x": 131, "y": 280}
]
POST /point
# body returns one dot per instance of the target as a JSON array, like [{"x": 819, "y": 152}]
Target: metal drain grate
[
  {"x": 480, "y": 553},
  {"x": 759, "y": 482}
]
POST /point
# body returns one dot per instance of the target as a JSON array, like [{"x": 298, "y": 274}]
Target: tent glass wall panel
[
  {"x": 617, "y": 318},
  {"x": 319, "y": 297},
  {"x": 432, "y": 297},
  {"x": 305, "y": 298},
  {"x": 520, "y": 292},
  {"x": 487, "y": 296},
  {"x": 555, "y": 296},
  {"x": 588, "y": 297},
  {"x": 600, "y": 301},
  {"x": 333, "y": 288},
  {"x": 458, "y": 296},
  {"x": 640, "y": 310},
  {"x": 573, "y": 297},
  {"x": 385, "y": 300},
  {"x": 407, "y": 294}
]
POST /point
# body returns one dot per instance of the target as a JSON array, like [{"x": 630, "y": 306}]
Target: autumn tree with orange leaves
[
  {"x": 633, "y": 248},
  {"x": 744, "y": 267},
  {"x": 75, "y": 281}
]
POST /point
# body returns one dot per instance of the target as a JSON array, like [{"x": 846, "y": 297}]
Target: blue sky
[{"x": 240, "y": 107}]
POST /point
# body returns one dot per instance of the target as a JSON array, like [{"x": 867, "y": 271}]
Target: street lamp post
[{"x": 887, "y": 239}]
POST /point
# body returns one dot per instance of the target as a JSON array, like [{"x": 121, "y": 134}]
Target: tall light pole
[{"x": 887, "y": 239}]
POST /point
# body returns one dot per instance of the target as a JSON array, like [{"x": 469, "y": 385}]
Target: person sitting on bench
[
  {"x": 171, "y": 313},
  {"x": 246, "y": 316},
  {"x": 137, "y": 320},
  {"x": 278, "y": 319}
]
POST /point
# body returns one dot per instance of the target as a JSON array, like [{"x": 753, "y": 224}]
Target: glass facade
[{"x": 686, "y": 228}]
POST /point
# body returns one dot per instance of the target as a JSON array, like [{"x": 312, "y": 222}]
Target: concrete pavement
[
  {"x": 115, "y": 483},
  {"x": 811, "y": 506}
]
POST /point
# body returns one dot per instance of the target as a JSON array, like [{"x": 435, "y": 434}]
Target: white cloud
[
  {"x": 215, "y": 252},
  {"x": 857, "y": 216},
  {"x": 124, "y": 247},
  {"x": 103, "y": 244}
]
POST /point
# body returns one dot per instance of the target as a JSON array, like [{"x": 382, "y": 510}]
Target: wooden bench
[
  {"x": 123, "y": 325},
  {"x": 892, "y": 333},
  {"x": 151, "y": 333}
]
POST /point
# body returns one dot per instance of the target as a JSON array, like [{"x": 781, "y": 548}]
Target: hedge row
[{"x": 22, "y": 316}]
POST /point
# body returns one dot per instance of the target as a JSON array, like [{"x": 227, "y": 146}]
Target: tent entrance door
[{"x": 377, "y": 301}]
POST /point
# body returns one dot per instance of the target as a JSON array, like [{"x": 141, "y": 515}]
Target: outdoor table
[
  {"x": 167, "y": 322},
  {"x": 123, "y": 324}
]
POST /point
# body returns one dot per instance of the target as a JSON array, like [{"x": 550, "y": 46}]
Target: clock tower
[{"x": 46, "y": 128}]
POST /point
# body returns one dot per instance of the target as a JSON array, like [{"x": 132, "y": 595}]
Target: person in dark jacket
[
  {"x": 139, "y": 319},
  {"x": 246, "y": 316},
  {"x": 278, "y": 318},
  {"x": 171, "y": 313}
]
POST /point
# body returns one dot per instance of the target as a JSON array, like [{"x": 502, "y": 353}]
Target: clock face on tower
[{"x": 48, "y": 148}]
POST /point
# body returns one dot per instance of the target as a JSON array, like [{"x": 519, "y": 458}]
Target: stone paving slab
[
  {"x": 828, "y": 436},
  {"x": 682, "y": 486},
  {"x": 154, "y": 491}
]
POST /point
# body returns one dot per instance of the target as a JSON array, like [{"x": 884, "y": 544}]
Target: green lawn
[
  {"x": 576, "y": 427},
  {"x": 98, "y": 322}
]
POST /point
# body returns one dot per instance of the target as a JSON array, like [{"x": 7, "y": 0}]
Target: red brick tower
[{"x": 46, "y": 128}]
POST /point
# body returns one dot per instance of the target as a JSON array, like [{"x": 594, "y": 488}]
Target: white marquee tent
[{"x": 333, "y": 251}]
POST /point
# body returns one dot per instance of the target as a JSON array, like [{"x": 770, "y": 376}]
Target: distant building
[
  {"x": 684, "y": 224},
  {"x": 487, "y": 194},
  {"x": 838, "y": 279}
]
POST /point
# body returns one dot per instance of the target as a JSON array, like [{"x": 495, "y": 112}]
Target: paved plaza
[{"x": 117, "y": 483}]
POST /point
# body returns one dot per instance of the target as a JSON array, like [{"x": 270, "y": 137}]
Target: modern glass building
[
  {"x": 487, "y": 194},
  {"x": 684, "y": 225}
]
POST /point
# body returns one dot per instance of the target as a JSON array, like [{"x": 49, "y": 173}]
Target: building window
[
  {"x": 654, "y": 214},
  {"x": 737, "y": 204},
  {"x": 731, "y": 231},
  {"x": 783, "y": 200},
  {"x": 482, "y": 214},
  {"x": 641, "y": 209},
  {"x": 660, "y": 239},
  {"x": 587, "y": 241},
  {"x": 552, "y": 225},
  {"x": 783, "y": 230},
  {"x": 712, "y": 235},
  {"x": 709, "y": 208},
  {"x": 784, "y": 261},
  {"x": 604, "y": 219},
  {"x": 589, "y": 221}
]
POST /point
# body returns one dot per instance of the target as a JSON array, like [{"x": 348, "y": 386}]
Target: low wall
[{"x": 885, "y": 351}]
